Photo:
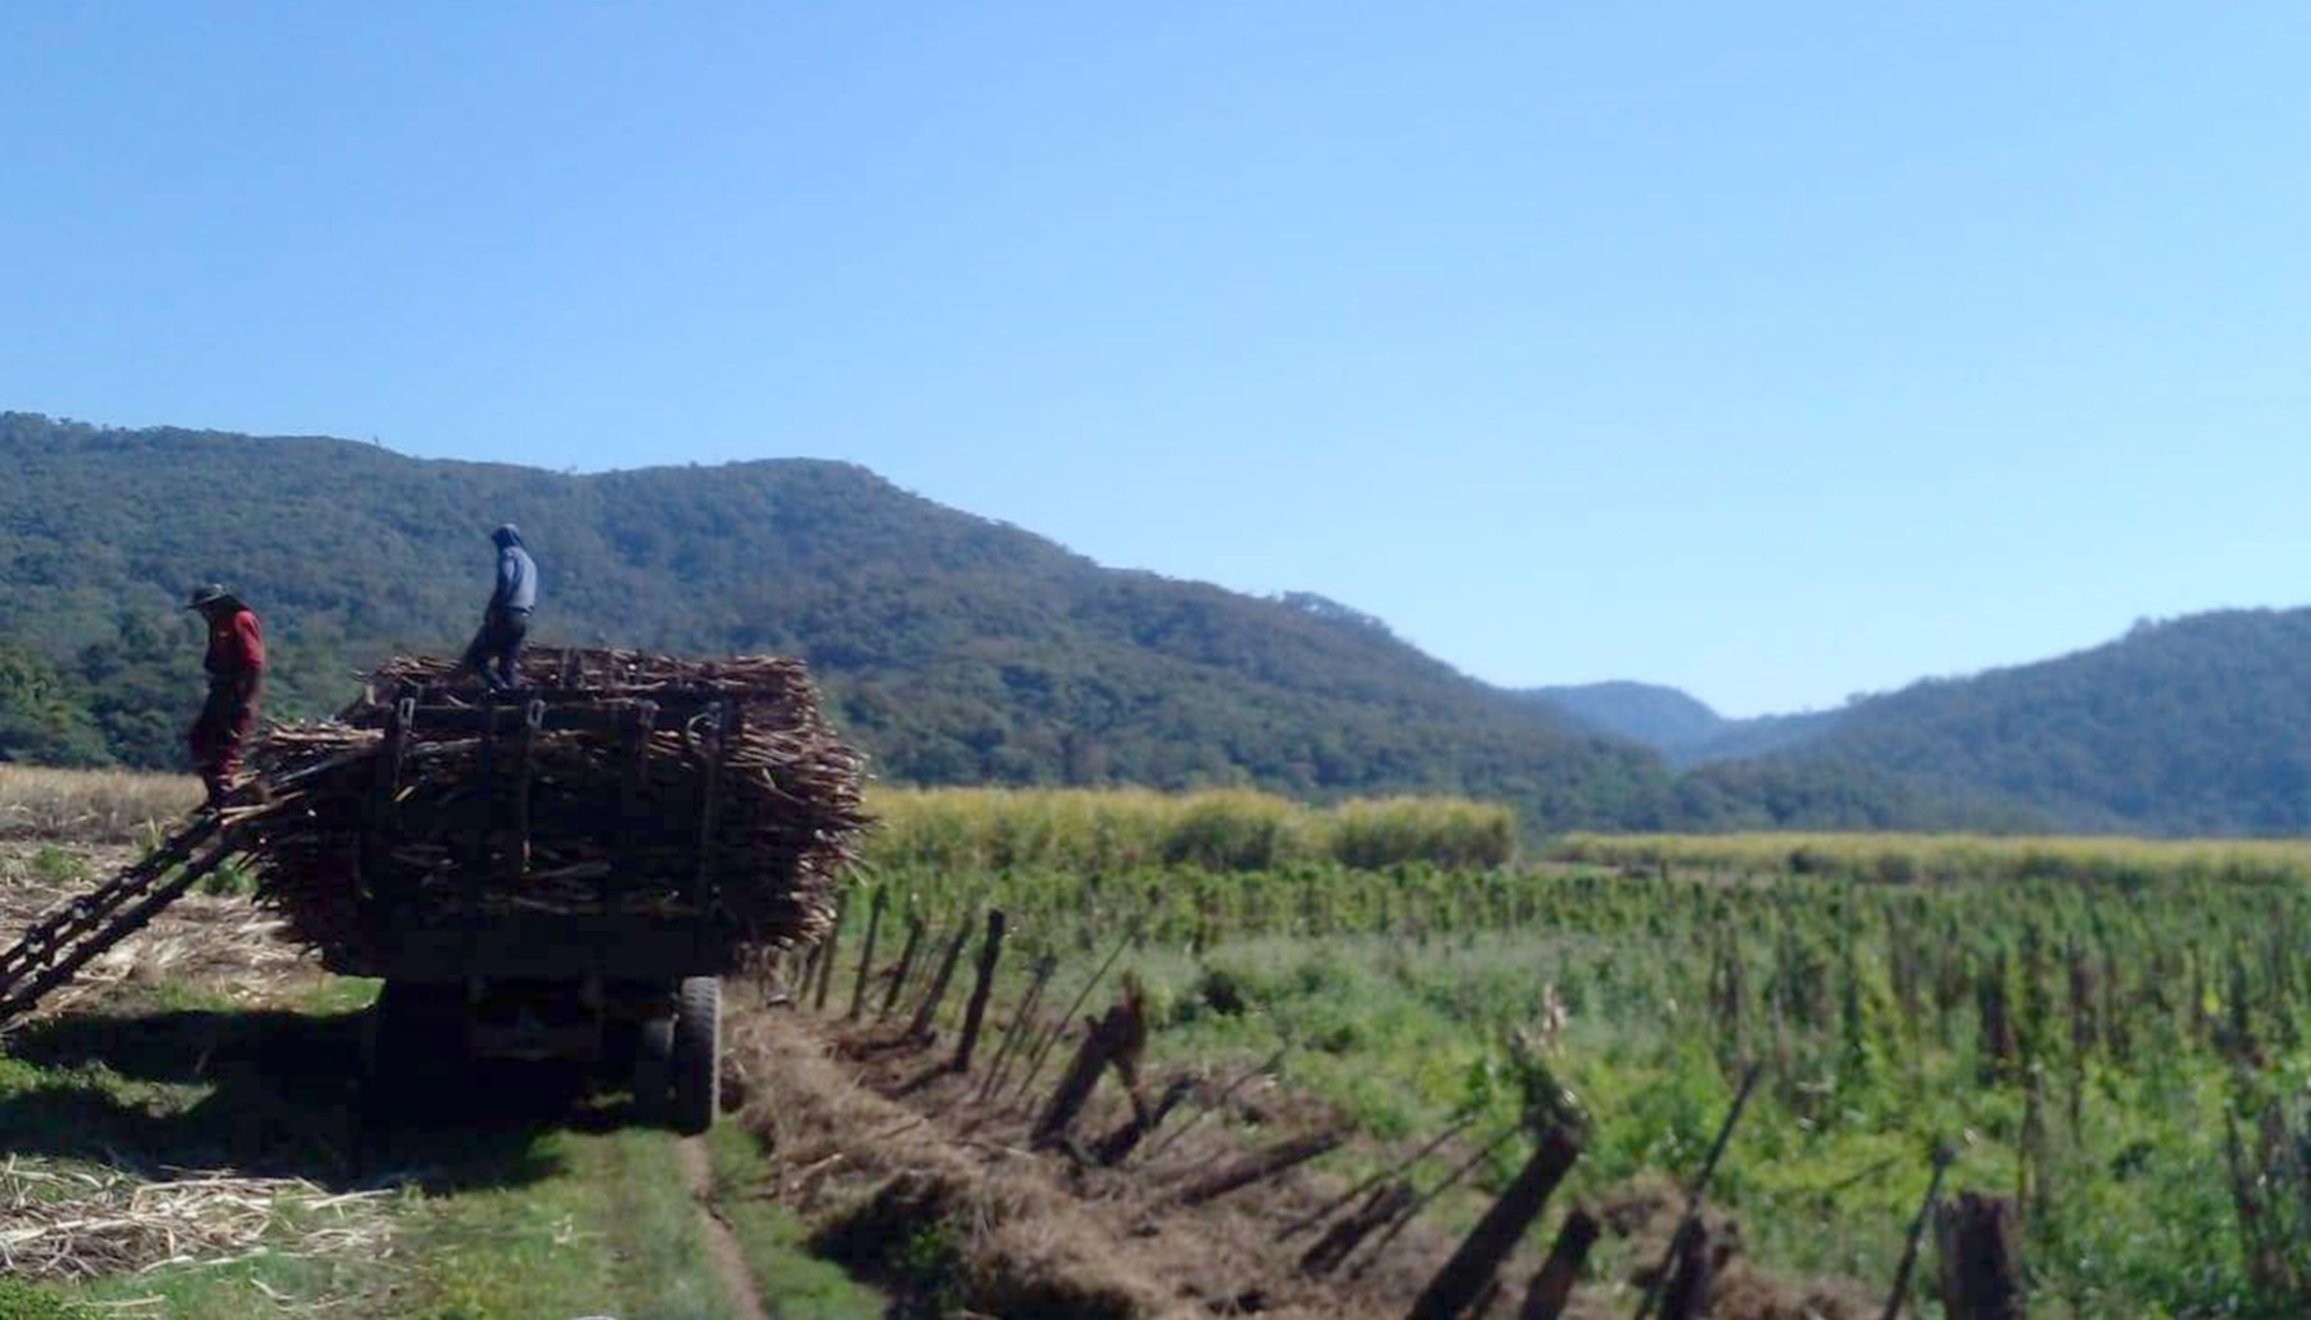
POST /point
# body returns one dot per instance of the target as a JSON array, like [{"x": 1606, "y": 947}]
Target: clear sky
[{"x": 1777, "y": 351}]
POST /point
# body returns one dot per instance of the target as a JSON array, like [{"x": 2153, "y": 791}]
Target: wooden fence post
[
  {"x": 1022, "y": 1025},
  {"x": 990, "y": 952},
  {"x": 1694, "y": 1259},
  {"x": 1691, "y": 1222},
  {"x": 1394, "y": 1171},
  {"x": 1043, "y": 1048},
  {"x": 1116, "y": 1038},
  {"x": 1428, "y": 1198},
  {"x": 1456, "y": 1287},
  {"x": 867, "y": 955},
  {"x": 906, "y": 965},
  {"x": 1981, "y": 1265},
  {"x": 1262, "y": 1165},
  {"x": 1553, "y": 1287},
  {"x": 1118, "y": 1145},
  {"x": 1901, "y": 1290},
  {"x": 920, "y": 1028},
  {"x": 1341, "y": 1240},
  {"x": 826, "y": 967}
]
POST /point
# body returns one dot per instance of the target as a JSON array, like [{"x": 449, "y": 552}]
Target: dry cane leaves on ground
[{"x": 72, "y": 1225}]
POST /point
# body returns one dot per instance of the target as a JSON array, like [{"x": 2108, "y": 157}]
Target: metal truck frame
[{"x": 627, "y": 993}]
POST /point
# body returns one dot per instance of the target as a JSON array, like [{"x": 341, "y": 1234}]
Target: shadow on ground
[{"x": 279, "y": 1093}]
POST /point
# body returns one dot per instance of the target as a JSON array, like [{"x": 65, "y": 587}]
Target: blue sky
[{"x": 1777, "y": 351}]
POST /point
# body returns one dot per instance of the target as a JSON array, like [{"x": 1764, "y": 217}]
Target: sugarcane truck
[{"x": 625, "y": 992}]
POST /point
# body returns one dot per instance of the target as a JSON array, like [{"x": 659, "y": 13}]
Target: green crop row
[
  {"x": 1951, "y": 858},
  {"x": 1091, "y": 831},
  {"x": 2131, "y": 1061}
]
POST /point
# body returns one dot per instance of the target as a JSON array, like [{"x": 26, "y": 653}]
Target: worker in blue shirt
[{"x": 496, "y": 652}]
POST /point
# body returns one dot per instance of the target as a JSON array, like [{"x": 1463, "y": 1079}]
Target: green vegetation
[
  {"x": 20, "y": 1300},
  {"x": 1089, "y": 832},
  {"x": 775, "y": 1243},
  {"x": 1954, "y": 858},
  {"x": 962, "y": 651},
  {"x": 2190, "y": 727},
  {"x": 2116, "y": 1031},
  {"x": 614, "y": 1231}
]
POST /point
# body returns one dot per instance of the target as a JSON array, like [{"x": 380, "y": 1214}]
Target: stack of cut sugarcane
[{"x": 603, "y": 832}]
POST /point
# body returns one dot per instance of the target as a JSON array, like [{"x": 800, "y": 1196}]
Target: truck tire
[
  {"x": 654, "y": 1070},
  {"x": 697, "y": 1056},
  {"x": 409, "y": 1033}
]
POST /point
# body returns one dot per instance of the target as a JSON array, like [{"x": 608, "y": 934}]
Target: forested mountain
[
  {"x": 1676, "y": 724},
  {"x": 2200, "y": 725},
  {"x": 1660, "y": 717},
  {"x": 954, "y": 648}
]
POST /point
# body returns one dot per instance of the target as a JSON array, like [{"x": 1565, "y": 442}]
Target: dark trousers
[
  {"x": 496, "y": 652},
  {"x": 218, "y": 734}
]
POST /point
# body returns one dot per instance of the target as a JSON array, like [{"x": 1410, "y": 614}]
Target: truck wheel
[
  {"x": 654, "y": 1069},
  {"x": 697, "y": 1055},
  {"x": 404, "y": 1042}
]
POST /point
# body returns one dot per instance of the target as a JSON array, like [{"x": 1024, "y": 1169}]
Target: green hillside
[
  {"x": 960, "y": 650},
  {"x": 2201, "y": 725},
  {"x": 1676, "y": 724},
  {"x": 954, "y": 648},
  {"x": 1663, "y": 718}
]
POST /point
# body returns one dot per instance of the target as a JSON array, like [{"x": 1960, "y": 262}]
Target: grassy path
[{"x": 513, "y": 1205}]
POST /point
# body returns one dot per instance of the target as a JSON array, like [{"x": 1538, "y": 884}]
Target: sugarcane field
[
  {"x": 1486, "y": 661},
  {"x": 625, "y": 995}
]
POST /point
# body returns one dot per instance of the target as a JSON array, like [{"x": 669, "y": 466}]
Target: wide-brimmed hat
[{"x": 208, "y": 594}]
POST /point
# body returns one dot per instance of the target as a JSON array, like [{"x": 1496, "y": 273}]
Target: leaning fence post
[
  {"x": 1691, "y": 1221},
  {"x": 1396, "y": 1170},
  {"x": 1552, "y": 1288},
  {"x": 1116, "y": 1038},
  {"x": 1694, "y": 1261},
  {"x": 1901, "y": 1292},
  {"x": 1117, "y": 1146},
  {"x": 990, "y": 953},
  {"x": 832, "y": 946},
  {"x": 1456, "y": 1287},
  {"x": 920, "y": 1028},
  {"x": 1022, "y": 1025},
  {"x": 1262, "y": 1165},
  {"x": 1219, "y": 1102},
  {"x": 1340, "y": 1241},
  {"x": 867, "y": 954},
  {"x": 1981, "y": 1266},
  {"x": 906, "y": 965},
  {"x": 1428, "y": 1198},
  {"x": 1042, "y": 1050}
]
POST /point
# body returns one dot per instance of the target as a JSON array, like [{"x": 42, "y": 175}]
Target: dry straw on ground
[
  {"x": 75, "y": 1225},
  {"x": 214, "y": 941},
  {"x": 90, "y": 806}
]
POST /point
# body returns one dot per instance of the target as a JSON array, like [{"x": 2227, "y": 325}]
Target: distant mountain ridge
[
  {"x": 2200, "y": 725},
  {"x": 957, "y": 649},
  {"x": 1678, "y": 725},
  {"x": 954, "y": 648}
]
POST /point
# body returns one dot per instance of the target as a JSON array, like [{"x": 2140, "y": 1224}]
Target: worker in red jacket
[{"x": 236, "y": 666}]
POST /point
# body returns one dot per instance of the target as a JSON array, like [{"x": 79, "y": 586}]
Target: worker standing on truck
[
  {"x": 236, "y": 666},
  {"x": 497, "y": 649}
]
